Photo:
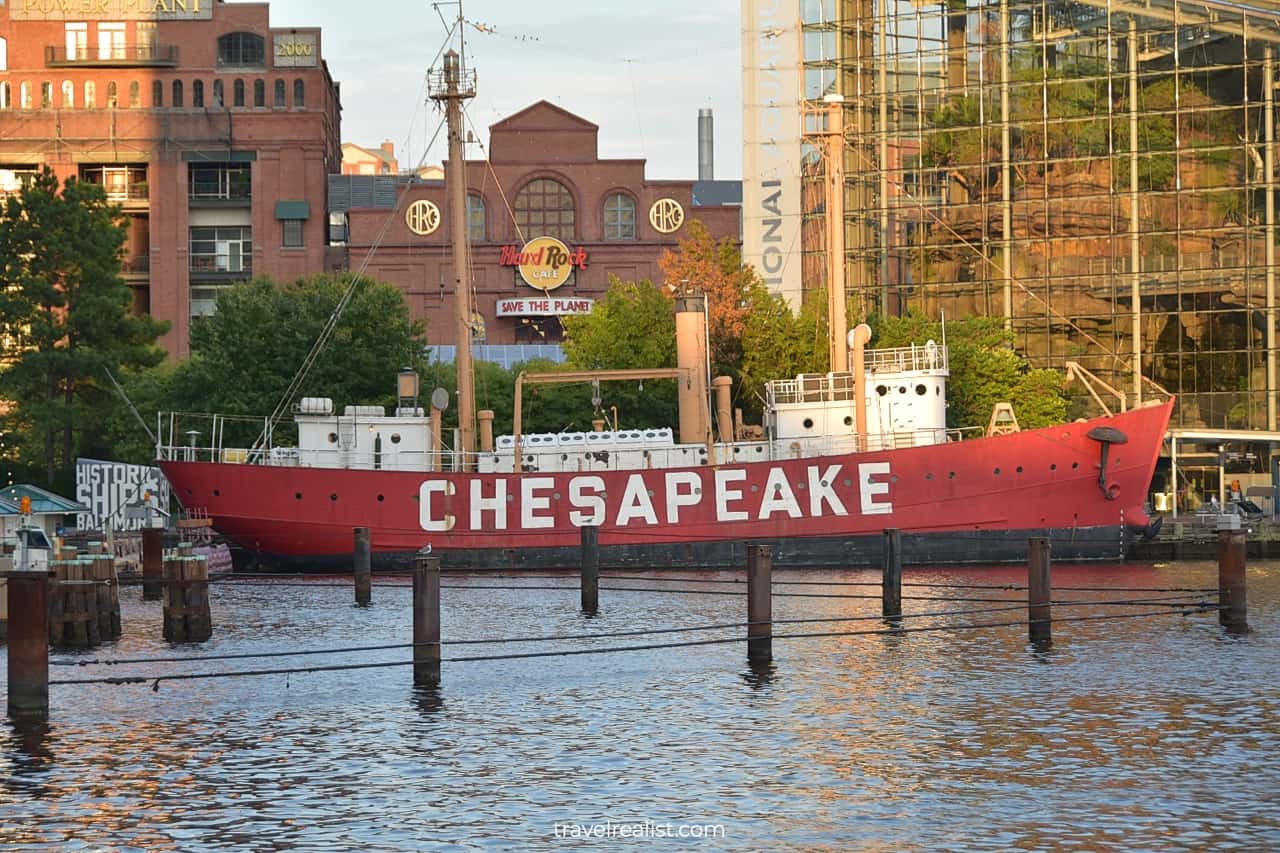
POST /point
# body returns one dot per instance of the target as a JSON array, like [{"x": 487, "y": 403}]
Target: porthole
[
  {"x": 921, "y": 390},
  {"x": 996, "y": 472},
  {"x": 951, "y": 475},
  {"x": 848, "y": 421},
  {"x": 380, "y": 498},
  {"x": 1075, "y": 465},
  {"x": 333, "y": 497},
  {"x": 893, "y": 478},
  {"x": 881, "y": 390},
  {"x": 297, "y": 496},
  {"x": 1019, "y": 469},
  {"x": 555, "y": 496},
  {"x": 333, "y": 438},
  {"x": 902, "y": 389},
  {"x": 929, "y": 476},
  {"x": 808, "y": 423},
  {"x": 755, "y": 487},
  {"x": 217, "y": 493},
  {"x": 1053, "y": 466},
  {"x": 395, "y": 438},
  {"x": 564, "y": 457}
]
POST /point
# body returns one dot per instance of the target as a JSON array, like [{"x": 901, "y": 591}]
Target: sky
[{"x": 638, "y": 69}]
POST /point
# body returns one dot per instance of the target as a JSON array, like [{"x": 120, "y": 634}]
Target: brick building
[
  {"x": 543, "y": 194},
  {"x": 214, "y": 130},
  {"x": 357, "y": 160}
]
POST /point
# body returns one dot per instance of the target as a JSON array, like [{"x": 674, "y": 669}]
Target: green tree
[
  {"x": 244, "y": 357},
  {"x": 632, "y": 327},
  {"x": 984, "y": 370},
  {"x": 66, "y": 314}
]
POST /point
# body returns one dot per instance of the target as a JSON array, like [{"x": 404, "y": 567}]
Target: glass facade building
[{"x": 1101, "y": 174}]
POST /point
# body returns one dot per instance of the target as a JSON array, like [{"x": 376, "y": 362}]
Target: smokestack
[
  {"x": 706, "y": 146},
  {"x": 691, "y": 356}
]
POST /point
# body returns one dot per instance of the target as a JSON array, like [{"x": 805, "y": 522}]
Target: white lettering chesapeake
[
  {"x": 580, "y": 500},
  {"x": 531, "y": 501},
  {"x": 724, "y": 494},
  {"x": 636, "y": 503},
  {"x": 496, "y": 504},
  {"x": 822, "y": 490},
  {"x": 426, "y": 517},
  {"x": 869, "y": 490},
  {"x": 778, "y": 496},
  {"x": 677, "y": 498}
]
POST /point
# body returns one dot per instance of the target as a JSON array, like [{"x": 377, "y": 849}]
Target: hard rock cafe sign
[{"x": 544, "y": 262}]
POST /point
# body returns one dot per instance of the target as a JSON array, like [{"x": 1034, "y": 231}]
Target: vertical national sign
[
  {"x": 771, "y": 152},
  {"x": 108, "y": 487}
]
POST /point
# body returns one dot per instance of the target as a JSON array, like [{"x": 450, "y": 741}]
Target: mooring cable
[{"x": 156, "y": 679}]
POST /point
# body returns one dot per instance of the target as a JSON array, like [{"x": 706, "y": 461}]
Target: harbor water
[{"x": 1151, "y": 733}]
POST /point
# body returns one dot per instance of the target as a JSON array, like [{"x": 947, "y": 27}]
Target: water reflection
[{"x": 1122, "y": 734}]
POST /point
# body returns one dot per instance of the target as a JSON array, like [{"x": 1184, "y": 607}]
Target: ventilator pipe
[
  {"x": 691, "y": 358},
  {"x": 859, "y": 335},
  {"x": 485, "y": 417},
  {"x": 724, "y": 410}
]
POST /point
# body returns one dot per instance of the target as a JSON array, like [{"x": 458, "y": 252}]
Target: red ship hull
[{"x": 971, "y": 501}]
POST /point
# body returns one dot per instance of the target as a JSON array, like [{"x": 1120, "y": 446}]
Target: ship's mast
[{"x": 452, "y": 85}]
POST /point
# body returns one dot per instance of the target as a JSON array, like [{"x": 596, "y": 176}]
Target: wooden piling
[
  {"x": 362, "y": 559},
  {"x": 173, "y": 599},
  {"x": 891, "y": 586},
  {"x": 28, "y": 668},
  {"x": 759, "y": 603},
  {"x": 1039, "y": 615},
  {"x": 1232, "y": 588},
  {"x": 55, "y": 603},
  {"x": 590, "y": 569},
  {"x": 195, "y": 575},
  {"x": 152, "y": 564},
  {"x": 426, "y": 621}
]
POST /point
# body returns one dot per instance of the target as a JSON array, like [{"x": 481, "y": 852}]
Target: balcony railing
[
  {"x": 126, "y": 55},
  {"x": 137, "y": 265}
]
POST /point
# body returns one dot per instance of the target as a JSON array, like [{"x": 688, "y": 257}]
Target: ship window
[
  {"x": 333, "y": 497},
  {"x": 881, "y": 390},
  {"x": 1019, "y": 469},
  {"x": 808, "y": 423},
  {"x": 1075, "y": 465},
  {"x": 996, "y": 472},
  {"x": 1053, "y": 467},
  {"x": 929, "y": 476},
  {"x": 921, "y": 390},
  {"x": 333, "y": 438},
  {"x": 217, "y": 493},
  {"x": 395, "y": 438},
  {"x": 848, "y": 421},
  {"x": 902, "y": 389},
  {"x": 951, "y": 475},
  {"x": 297, "y": 496},
  {"x": 379, "y": 498}
]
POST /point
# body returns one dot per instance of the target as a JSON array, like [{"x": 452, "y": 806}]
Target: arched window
[
  {"x": 24, "y": 95},
  {"x": 241, "y": 49},
  {"x": 299, "y": 94},
  {"x": 475, "y": 218},
  {"x": 177, "y": 93},
  {"x": 157, "y": 94},
  {"x": 237, "y": 93},
  {"x": 90, "y": 95},
  {"x": 46, "y": 95},
  {"x": 218, "y": 94},
  {"x": 112, "y": 95},
  {"x": 68, "y": 94},
  {"x": 544, "y": 208},
  {"x": 259, "y": 93},
  {"x": 279, "y": 95},
  {"x": 135, "y": 95},
  {"x": 6, "y": 95},
  {"x": 4, "y": 54},
  {"x": 197, "y": 93},
  {"x": 620, "y": 217}
]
